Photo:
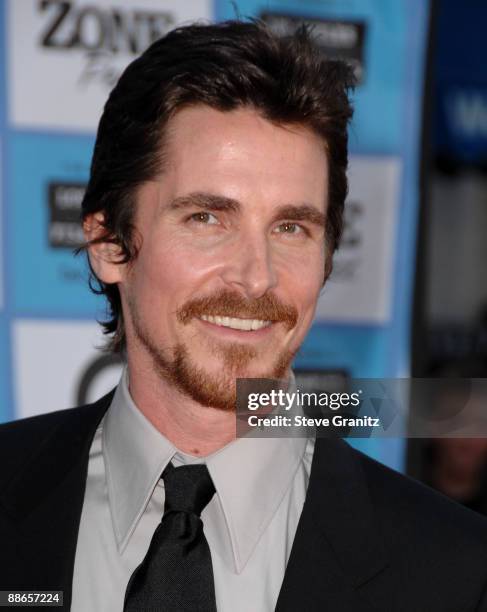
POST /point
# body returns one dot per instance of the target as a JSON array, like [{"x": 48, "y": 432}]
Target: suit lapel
[
  {"x": 44, "y": 502},
  {"x": 337, "y": 547}
]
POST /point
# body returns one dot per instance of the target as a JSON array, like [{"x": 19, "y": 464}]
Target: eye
[
  {"x": 205, "y": 218},
  {"x": 290, "y": 228}
]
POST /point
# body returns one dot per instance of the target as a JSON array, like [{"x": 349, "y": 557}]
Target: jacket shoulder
[
  {"x": 21, "y": 440},
  {"x": 411, "y": 513},
  {"x": 437, "y": 549}
]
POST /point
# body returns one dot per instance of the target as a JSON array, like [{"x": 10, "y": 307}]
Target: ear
[{"x": 103, "y": 255}]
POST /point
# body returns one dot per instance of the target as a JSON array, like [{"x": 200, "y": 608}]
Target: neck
[{"x": 192, "y": 428}]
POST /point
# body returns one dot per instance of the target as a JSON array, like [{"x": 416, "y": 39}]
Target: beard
[{"x": 216, "y": 390}]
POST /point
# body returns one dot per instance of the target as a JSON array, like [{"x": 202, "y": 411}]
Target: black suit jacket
[{"x": 369, "y": 539}]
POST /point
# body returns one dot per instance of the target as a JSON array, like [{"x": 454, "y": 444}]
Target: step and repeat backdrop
[{"x": 59, "y": 61}]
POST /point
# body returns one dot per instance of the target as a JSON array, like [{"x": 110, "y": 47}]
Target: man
[{"x": 213, "y": 209}]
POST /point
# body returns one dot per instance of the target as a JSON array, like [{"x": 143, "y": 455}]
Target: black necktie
[{"x": 176, "y": 574}]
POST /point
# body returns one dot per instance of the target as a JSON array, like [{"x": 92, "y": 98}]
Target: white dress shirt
[{"x": 250, "y": 523}]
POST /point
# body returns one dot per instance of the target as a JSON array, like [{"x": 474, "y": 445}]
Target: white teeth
[{"x": 234, "y": 323}]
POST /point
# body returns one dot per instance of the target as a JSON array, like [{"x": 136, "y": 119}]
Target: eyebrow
[
  {"x": 207, "y": 201},
  {"x": 301, "y": 212},
  {"x": 211, "y": 202}
]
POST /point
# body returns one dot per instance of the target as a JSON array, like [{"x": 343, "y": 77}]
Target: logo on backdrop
[
  {"x": 337, "y": 39},
  {"x": 347, "y": 264},
  {"x": 64, "y": 201},
  {"x": 66, "y": 55},
  {"x": 359, "y": 287},
  {"x": 463, "y": 124},
  {"x": 100, "y": 33}
]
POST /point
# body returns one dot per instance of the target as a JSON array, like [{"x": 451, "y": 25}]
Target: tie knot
[{"x": 188, "y": 488}]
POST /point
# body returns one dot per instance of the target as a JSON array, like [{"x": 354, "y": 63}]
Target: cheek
[
  {"x": 170, "y": 271},
  {"x": 303, "y": 279}
]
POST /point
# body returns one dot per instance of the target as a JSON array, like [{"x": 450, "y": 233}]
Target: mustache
[{"x": 227, "y": 304}]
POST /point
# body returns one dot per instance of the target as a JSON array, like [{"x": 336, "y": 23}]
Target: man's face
[{"x": 231, "y": 258}]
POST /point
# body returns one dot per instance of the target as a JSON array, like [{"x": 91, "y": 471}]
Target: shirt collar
[
  {"x": 251, "y": 477},
  {"x": 135, "y": 455}
]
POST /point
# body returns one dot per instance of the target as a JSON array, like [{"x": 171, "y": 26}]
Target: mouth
[{"x": 236, "y": 323}]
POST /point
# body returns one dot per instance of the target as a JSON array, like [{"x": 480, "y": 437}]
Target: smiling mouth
[{"x": 236, "y": 323}]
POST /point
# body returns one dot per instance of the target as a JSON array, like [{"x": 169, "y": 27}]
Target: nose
[{"x": 250, "y": 268}]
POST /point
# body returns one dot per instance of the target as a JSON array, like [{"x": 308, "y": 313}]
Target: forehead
[{"x": 206, "y": 149}]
